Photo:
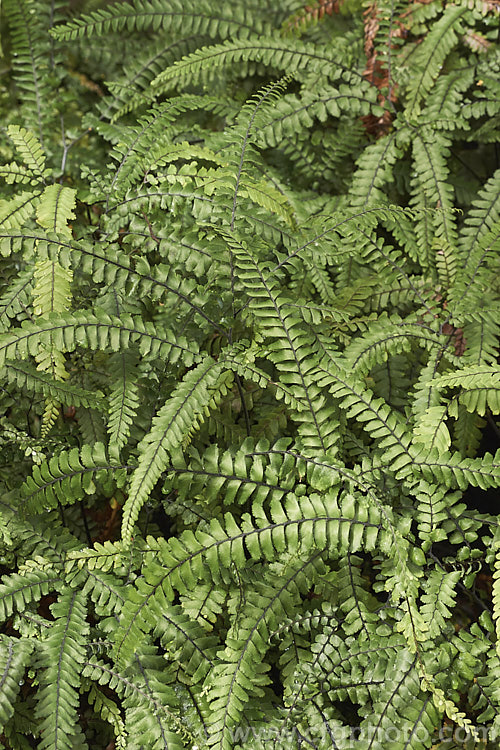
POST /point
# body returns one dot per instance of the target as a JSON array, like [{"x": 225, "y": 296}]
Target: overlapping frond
[
  {"x": 62, "y": 655},
  {"x": 67, "y": 477}
]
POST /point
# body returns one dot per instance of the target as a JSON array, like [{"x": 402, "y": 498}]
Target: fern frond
[
  {"x": 68, "y": 477},
  {"x": 30, "y": 150},
  {"x": 438, "y": 597},
  {"x": 15, "y": 212},
  {"x": 374, "y": 415},
  {"x": 480, "y": 388},
  {"x": 55, "y": 208},
  {"x": 387, "y": 338},
  {"x": 18, "y": 591},
  {"x": 103, "y": 557},
  {"x": 31, "y": 46},
  {"x": 289, "y": 55},
  {"x": 113, "y": 266},
  {"x": 431, "y": 430},
  {"x": 97, "y": 332},
  {"x": 189, "y": 649},
  {"x": 241, "y": 671},
  {"x": 468, "y": 432},
  {"x": 123, "y": 399},
  {"x": 456, "y": 471},
  {"x": 192, "y": 556},
  {"x": 30, "y": 379},
  {"x": 107, "y": 591},
  {"x": 481, "y": 218},
  {"x": 255, "y": 473},
  {"x": 148, "y": 718},
  {"x": 16, "y": 299},
  {"x": 145, "y": 145},
  {"x": 289, "y": 348},
  {"x": 43, "y": 536},
  {"x": 357, "y": 605},
  {"x": 433, "y": 190},
  {"x": 51, "y": 294},
  {"x": 132, "y": 87},
  {"x": 14, "y": 656},
  {"x": 468, "y": 289},
  {"x": 110, "y": 712},
  {"x": 63, "y": 654},
  {"x": 52, "y": 290},
  {"x": 293, "y": 114},
  {"x": 375, "y": 171},
  {"x": 431, "y": 54},
  {"x": 185, "y": 18},
  {"x": 432, "y": 503},
  {"x": 181, "y": 415},
  {"x": 481, "y": 332}
]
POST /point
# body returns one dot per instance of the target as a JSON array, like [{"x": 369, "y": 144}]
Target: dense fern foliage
[{"x": 249, "y": 330}]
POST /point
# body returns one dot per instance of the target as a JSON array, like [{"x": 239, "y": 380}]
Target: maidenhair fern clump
[{"x": 249, "y": 330}]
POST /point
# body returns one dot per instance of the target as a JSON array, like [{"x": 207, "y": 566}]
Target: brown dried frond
[
  {"x": 376, "y": 72},
  {"x": 475, "y": 41},
  {"x": 311, "y": 13}
]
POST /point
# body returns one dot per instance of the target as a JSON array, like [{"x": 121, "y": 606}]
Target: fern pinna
[{"x": 249, "y": 345}]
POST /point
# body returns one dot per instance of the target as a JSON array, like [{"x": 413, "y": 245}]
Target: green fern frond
[
  {"x": 293, "y": 114},
  {"x": 317, "y": 519},
  {"x": 241, "y": 672},
  {"x": 375, "y": 171},
  {"x": 96, "y": 332},
  {"x": 189, "y": 649},
  {"x": 433, "y": 190},
  {"x": 287, "y": 55},
  {"x": 431, "y": 430},
  {"x": 288, "y": 343},
  {"x": 30, "y": 379},
  {"x": 30, "y": 150},
  {"x": 16, "y": 211},
  {"x": 56, "y": 209},
  {"x": 438, "y": 598},
  {"x": 199, "y": 18},
  {"x": 69, "y": 476},
  {"x": 52, "y": 288},
  {"x": 123, "y": 399},
  {"x": 254, "y": 473},
  {"x": 147, "y": 716},
  {"x": 270, "y": 308},
  {"x": 480, "y": 388},
  {"x": 14, "y": 656},
  {"x": 432, "y": 503},
  {"x": 16, "y": 299},
  {"x": 446, "y": 264},
  {"x": 51, "y": 294},
  {"x": 431, "y": 54},
  {"x": 31, "y": 46},
  {"x": 132, "y": 87},
  {"x": 16, "y": 173},
  {"x": 106, "y": 591},
  {"x": 113, "y": 266},
  {"x": 373, "y": 414},
  {"x": 18, "y": 591},
  {"x": 482, "y": 217},
  {"x": 468, "y": 288},
  {"x": 189, "y": 404},
  {"x": 455, "y": 471},
  {"x": 62, "y": 655},
  {"x": 468, "y": 431},
  {"x": 104, "y": 557},
  {"x": 110, "y": 712}
]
